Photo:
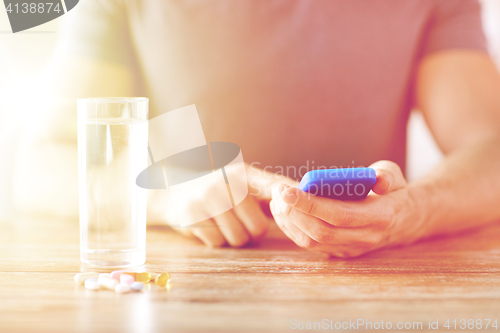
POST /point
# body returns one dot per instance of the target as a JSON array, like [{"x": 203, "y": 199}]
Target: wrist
[{"x": 422, "y": 200}]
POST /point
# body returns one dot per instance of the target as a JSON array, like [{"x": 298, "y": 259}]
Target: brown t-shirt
[{"x": 295, "y": 83}]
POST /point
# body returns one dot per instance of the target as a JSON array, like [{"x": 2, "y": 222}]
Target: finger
[
  {"x": 279, "y": 223},
  {"x": 335, "y": 212},
  {"x": 389, "y": 177},
  {"x": 294, "y": 233},
  {"x": 232, "y": 229},
  {"x": 279, "y": 204},
  {"x": 346, "y": 244},
  {"x": 336, "y": 250},
  {"x": 324, "y": 233},
  {"x": 185, "y": 231},
  {"x": 252, "y": 217},
  {"x": 207, "y": 232}
]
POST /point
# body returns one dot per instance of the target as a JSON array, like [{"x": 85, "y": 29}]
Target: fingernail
[{"x": 290, "y": 198}]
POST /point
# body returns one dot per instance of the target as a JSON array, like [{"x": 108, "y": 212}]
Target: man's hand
[
  {"x": 243, "y": 224},
  {"x": 388, "y": 216},
  {"x": 236, "y": 227}
]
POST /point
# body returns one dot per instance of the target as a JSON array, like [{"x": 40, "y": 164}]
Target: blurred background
[{"x": 24, "y": 57}]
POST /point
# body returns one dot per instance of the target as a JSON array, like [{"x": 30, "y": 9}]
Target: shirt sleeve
[
  {"x": 456, "y": 24},
  {"x": 99, "y": 29}
]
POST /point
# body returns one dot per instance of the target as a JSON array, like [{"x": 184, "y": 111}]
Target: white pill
[
  {"x": 105, "y": 274},
  {"x": 122, "y": 288},
  {"x": 137, "y": 286},
  {"x": 91, "y": 284},
  {"x": 81, "y": 277},
  {"x": 107, "y": 282}
]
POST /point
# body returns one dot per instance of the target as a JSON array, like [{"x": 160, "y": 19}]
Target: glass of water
[{"x": 112, "y": 151}]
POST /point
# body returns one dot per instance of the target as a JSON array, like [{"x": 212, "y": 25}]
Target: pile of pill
[{"x": 122, "y": 281}]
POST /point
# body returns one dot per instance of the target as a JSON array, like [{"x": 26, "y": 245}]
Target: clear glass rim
[{"x": 117, "y": 100}]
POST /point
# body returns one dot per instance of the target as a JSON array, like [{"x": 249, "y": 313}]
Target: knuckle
[
  {"x": 308, "y": 207},
  {"x": 383, "y": 221},
  {"x": 320, "y": 235},
  {"x": 368, "y": 241},
  {"x": 241, "y": 241},
  {"x": 344, "y": 218},
  {"x": 216, "y": 242},
  {"x": 210, "y": 240},
  {"x": 376, "y": 239},
  {"x": 307, "y": 242}
]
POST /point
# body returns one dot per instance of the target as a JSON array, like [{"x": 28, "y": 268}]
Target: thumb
[{"x": 389, "y": 177}]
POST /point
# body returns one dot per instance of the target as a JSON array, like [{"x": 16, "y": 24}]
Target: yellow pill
[
  {"x": 153, "y": 276},
  {"x": 143, "y": 277},
  {"x": 162, "y": 279}
]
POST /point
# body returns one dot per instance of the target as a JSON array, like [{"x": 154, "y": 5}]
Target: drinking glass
[{"x": 112, "y": 151}]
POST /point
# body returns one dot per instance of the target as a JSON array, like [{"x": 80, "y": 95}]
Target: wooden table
[{"x": 252, "y": 289}]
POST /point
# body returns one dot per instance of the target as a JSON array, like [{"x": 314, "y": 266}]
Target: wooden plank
[{"x": 257, "y": 288}]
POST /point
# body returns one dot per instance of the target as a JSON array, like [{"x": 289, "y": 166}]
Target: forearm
[{"x": 461, "y": 192}]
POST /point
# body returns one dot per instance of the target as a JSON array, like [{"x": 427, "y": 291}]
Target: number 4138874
[
  {"x": 34, "y": 8},
  {"x": 471, "y": 324}
]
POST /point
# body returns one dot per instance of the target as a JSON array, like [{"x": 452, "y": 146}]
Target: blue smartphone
[{"x": 340, "y": 184}]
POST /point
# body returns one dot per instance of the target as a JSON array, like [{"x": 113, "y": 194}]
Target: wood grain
[{"x": 257, "y": 288}]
